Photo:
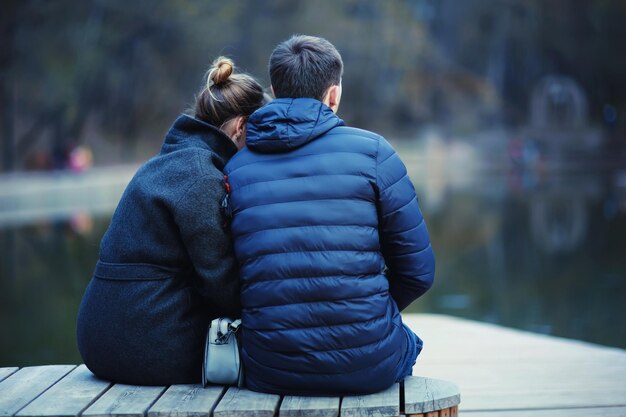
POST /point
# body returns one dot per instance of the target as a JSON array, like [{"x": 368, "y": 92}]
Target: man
[{"x": 329, "y": 236}]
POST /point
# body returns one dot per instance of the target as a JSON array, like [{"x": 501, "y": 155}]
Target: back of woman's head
[{"x": 227, "y": 95}]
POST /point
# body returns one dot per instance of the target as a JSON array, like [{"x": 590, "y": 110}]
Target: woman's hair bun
[{"x": 221, "y": 69}]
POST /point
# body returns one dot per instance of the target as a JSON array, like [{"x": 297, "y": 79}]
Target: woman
[{"x": 166, "y": 266}]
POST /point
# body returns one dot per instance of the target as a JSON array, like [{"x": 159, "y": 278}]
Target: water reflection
[
  {"x": 529, "y": 250},
  {"x": 543, "y": 255},
  {"x": 43, "y": 271}
]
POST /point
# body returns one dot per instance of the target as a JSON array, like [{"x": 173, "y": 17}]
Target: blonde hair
[{"x": 227, "y": 95}]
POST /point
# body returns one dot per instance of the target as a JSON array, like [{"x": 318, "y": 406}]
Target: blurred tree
[
  {"x": 7, "y": 33},
  {"x": 121, "y": 66},
  {"x": 113, "y": 71}
]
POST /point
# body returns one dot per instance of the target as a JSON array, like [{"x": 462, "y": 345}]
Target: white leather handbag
[{"x": 222, "y": 364}]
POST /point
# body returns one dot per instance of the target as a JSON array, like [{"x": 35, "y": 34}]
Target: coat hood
[{"x": 288, "y": 123}]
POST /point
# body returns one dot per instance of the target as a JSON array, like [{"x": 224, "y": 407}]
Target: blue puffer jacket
[{"x": 319, "y": 209}]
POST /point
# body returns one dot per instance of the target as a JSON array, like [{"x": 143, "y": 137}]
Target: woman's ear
[
  {"x": 239, "y": 134},
  {"x": 240, "y": 126}
]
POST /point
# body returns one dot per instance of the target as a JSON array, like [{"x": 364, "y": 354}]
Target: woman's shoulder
[
  {"x": 184, "y": 165},
  {"x": 172, "y": 175}
]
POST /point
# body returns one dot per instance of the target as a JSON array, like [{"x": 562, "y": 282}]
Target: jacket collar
[
  {"x": 288, "y": 123},
  {"x": 191, "y": 132}
]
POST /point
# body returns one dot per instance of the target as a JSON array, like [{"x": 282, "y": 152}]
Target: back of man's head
[{"x": 304, "y": 66}]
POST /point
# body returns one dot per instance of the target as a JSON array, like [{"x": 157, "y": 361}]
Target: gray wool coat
[{"x": 166, "y": 265}]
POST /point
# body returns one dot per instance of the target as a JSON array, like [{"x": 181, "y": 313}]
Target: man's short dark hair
[{"x": 304, "y": 66}]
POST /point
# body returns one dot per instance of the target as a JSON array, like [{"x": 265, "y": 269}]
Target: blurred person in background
[{"x": 166, "y": 266}]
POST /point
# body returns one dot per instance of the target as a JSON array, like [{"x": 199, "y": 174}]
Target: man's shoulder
[
  {"x": 354, "y": 132},
  {"x": 360, "y": 140}
]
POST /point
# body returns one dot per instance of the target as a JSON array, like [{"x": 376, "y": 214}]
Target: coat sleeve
[
  {"x": 209, "y": 245},
  {"x": 404, "y": 239}
]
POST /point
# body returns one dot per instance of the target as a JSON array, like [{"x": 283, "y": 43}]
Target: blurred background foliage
[{"x": 115, "y": 73}]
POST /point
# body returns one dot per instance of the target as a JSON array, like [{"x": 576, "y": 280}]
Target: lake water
[{"x": 544, "y": 253}]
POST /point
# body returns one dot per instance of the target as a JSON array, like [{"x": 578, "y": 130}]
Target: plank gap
[
  {"x": 158, "y": 397},
  {"x": 401, "y": 407},
  {"x": 80, "y": 413},
  {"x": 219, "y": 398},
  {"x": 278, "y": 405},
  {"x": 7, "y": 372},
  {"x": 70, "y": 369}
]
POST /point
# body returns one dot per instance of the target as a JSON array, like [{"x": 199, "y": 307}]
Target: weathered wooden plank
[
  {"x": 239, "y": 402},
  {"x": 124, "y": 401},
  {"x": 5, "y": 372},
  {"x": 380, "y": 404},
  {"x": 310, "y": 406},
  {"x": 497, "y": 368},
  {"x": 564, "y": 412},
  {"x": 69, "y": 396},
  {"x": 423, "y": 395},
  {"x": 186, "y": 401},
  {"x": 28, "y": 383}
]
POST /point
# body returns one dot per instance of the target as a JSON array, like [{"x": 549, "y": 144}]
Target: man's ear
[
  {"x": 272, "y": 90},
  {"x": 333, "y": 97}
]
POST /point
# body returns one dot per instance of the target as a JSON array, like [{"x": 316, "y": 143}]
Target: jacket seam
[
  {"x": 385, "y": 160},
  {"x": 332, "y": 300},
  {"x": 359, "y": 276},
  {"x": 284, "y": 158},
  {"x": 317, "y": 276},
  {"x": 376, "y": 169},
  {"x": 423, "y": 274},
  {"x": 302, "y": 227},
  {"x": 406, "y": 174},
  {"x": 302, "y": 201},
  {"x": 253, "y": 258},
  {"x": 301, "y": 176},
  {"x": 138, "y": 264},
  {"x": 317, "y": 119},
  {"x": 326, "y": 275},
  {"x": 355, "y": 131},
  {"x": 397, "y": 255},
  {"x": 409, "y": 230},
  {"x": 327, "y": 350},
  {"x": 289, "y": 125},
  {"x": 400, "y": 208},
  {"x": 325, "y": 326}
]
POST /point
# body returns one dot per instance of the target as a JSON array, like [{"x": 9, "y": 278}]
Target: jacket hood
[{"x": 288, "y": 123}]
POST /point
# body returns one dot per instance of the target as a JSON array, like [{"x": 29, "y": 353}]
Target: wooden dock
[
  {"x": 501, "y": 372},
  {"x": 72, "y": 391}
]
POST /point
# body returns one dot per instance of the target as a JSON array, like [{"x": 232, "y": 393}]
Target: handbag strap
[{"x": 234, "y": 326}]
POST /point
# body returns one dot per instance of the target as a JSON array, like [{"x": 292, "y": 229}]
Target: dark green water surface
[{"x": 540, "y": 253}]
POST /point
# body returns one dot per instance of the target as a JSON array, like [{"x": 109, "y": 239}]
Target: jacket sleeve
[
  {"x": 209, "y": 246},
  {"x": 404, "y": 239}
]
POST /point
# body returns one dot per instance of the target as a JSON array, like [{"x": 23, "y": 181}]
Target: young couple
[{"x": 318, "y": 246}]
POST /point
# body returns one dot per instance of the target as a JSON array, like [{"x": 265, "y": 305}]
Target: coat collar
[{"x": 191, "y": 132}]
